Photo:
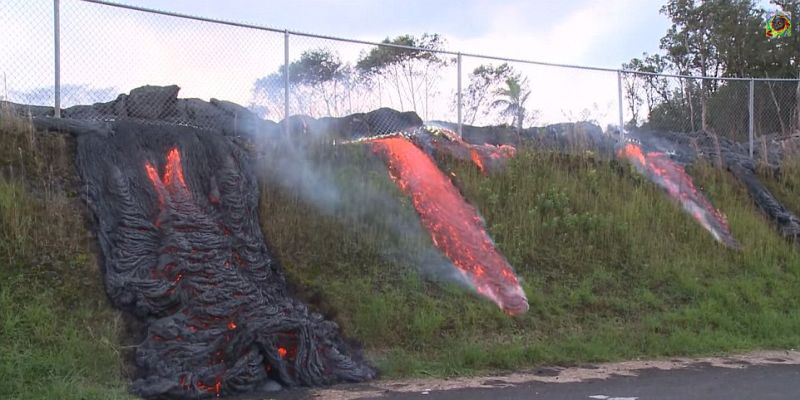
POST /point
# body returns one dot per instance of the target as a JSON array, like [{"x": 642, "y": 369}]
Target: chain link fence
[
  {"x": 740, "y": 109},
  {"x": 70, "y": 54}
]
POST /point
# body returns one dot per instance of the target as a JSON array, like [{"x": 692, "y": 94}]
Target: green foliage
[
  {"x": 718, "y": 38},
  {"x": 381, "y": 57},
  {"x": 512, "y": 98},
  {"x": 318, "y": 77},
  {"x": 59, "y": 334},
  {"x": 613, "y": 269},
  {"x": 413, "y": 74},
  {"x": 316, "y": 66},
  {"x": 484, "y": 81},
  {"x": 784, "y": 184}
]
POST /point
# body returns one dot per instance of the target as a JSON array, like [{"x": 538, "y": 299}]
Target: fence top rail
[
  {"x": 713, "y": 78},
  {"x": 335, "y": 38},
  {"x": 398, "y": 46}
]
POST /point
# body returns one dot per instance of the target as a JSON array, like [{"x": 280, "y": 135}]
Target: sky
[
  {"x": 107, "y": 50},
  {"x": 588, "y": 32}
]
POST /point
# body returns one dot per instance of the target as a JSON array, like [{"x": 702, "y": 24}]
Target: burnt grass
[{"x": 612, "y": 268}]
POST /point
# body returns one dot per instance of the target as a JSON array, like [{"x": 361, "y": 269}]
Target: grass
[
  {"x": 612, "y": 269},
  {"x": 785, "y": 183},
  {"x": 59, "y": 334}
]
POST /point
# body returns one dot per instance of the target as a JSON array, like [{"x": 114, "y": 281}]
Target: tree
[
  {"x": 484, "y": 81},
  {"x": 319, "y": 76},
  {"x": 319, "y": 84},
  {"x": 512, "y": 98},
  {"x": 266, "y": 96},
  {"x": 631, "y": 87},
  {"x": 720, "y": 38},
  {"x": 412, "y": 73},
  {"x": 656, "y": 89},
  {"x": 787, "y": 53}
]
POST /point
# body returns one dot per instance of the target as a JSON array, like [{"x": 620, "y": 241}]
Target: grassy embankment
[
  {"x": 58, "y": 333},
  {"x": 611, "y": 267},
  {"x": 785, "y": 184}
]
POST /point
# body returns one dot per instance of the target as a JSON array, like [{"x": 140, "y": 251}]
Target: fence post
[
  {"x": 286, "y": 80},
  {"x": 460, "y": 121},
  {"x": 751, "y": 113},
  {"x": 619, "y": 99},
  {"x": 57, "y": 58}
]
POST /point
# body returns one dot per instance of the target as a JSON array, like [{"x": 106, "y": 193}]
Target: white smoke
[{"x": 349, "y": 182}]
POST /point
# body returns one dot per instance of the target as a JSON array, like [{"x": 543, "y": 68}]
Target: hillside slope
[
  {"x": 612, "y": 269},
  {"x": 61, "y": 339}
]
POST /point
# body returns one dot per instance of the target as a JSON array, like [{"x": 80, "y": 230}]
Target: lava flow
[
  {"x": 672, "y": 177},
  {"x": 454, "y": 225},
  {"x": 487, "y": 157},
  {"x": 183, "y": 252}
]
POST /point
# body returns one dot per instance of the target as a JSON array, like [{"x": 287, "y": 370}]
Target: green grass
[
  {"x": 59, "y": 334},
  {"x": 785, "y": 184},
  {"x": 612, "y": 268}
]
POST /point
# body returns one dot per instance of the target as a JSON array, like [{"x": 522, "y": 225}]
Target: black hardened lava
[{"x": 182, "y": 250}]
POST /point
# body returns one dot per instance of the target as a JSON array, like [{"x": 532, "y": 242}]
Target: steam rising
[{"x": 349, "y": 182}]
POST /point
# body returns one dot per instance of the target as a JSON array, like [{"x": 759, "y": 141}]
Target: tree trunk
[
  {"x": 688, "y": 90},
  {"x": 398, "y": 86},
  {"x": 777, "y": 105},
  {"x": 703, "y": 93},
  {"x": 796, "y": 119},
  {"x": 777, "y": 108},
  {"x": 703, "y": 106}
]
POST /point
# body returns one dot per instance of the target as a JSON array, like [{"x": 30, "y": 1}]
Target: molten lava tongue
[
  {"x": 453, "y": 224},
  {"x": 672, "y": 177}
]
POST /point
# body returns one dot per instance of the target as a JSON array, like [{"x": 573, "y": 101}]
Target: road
[{"x": 763, "y": 376}]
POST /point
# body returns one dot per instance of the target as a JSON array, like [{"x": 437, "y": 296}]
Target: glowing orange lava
[
  {"x": 679, "y": 185},
  {"x": 170, "y": 185},
  {"x": 454, "y": 225},
  {"x": 172, "y": 180},
  {"x": 216, "y": 388},
  {"x": 476, "y": 158},
  {"x": 480, "y": 154},
  {"x": 173, "y": 169}
]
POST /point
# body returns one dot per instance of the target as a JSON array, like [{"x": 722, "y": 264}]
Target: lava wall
[{"x": 176, "y": 217}]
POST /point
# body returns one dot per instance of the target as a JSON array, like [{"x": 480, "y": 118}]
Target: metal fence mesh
[
  {"x": 718, "y": 105},
  {"x": 206, "y": 60},
  {"x": 775, "y": 108},
  {"x": 331, "y": 78},
  {"x": 108, "y": 50},
  {"x": 26, "y": 52}
]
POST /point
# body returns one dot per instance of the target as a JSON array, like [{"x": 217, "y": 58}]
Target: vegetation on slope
[
  {"x": 59, "y": 334},
  {"x": 785, "y": 184},
  {"x": 612, "y": 268}
]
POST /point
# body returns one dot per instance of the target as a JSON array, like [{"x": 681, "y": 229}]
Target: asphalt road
[
  {"x": 758, "y": 376},
  {"x": 769, "y": 382}
]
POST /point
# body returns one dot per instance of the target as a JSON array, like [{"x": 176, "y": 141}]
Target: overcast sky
[
  {"x": 106, "y": 50},
  {"x": 591, "y": 32}
]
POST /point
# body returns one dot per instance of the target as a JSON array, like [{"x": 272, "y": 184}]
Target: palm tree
[{"x": 512, "y": 99}]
